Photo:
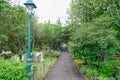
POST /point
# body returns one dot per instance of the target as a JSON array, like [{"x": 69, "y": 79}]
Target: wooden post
[
  {"x": 43, "y": 66},
  {"x": 35, "y": 67},
  {"x": 35, "y": 73}
]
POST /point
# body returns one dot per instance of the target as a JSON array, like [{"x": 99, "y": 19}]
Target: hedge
[{"x": 12, "y": 70}]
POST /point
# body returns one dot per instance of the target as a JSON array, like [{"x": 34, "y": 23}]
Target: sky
[{"x": 50, "y": 10}]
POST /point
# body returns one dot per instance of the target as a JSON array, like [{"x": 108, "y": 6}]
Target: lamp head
[{"x": 30, "y": 6}]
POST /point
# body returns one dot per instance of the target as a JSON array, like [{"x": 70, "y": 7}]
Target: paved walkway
[{"x": 64, "y": 69}]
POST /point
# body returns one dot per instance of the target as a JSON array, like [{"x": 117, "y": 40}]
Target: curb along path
[{"x": 64, "y": 69}]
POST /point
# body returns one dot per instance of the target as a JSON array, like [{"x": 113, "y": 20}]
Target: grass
[
  {"x": 104, "y": 72},
  {"x": 47, "y": 64}
]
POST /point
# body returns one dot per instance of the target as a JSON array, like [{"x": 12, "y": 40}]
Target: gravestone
[
  {"x": 15, "y": 58},
  {"x": 1, "y": 57},
  {"x": 40, "y": 54},
  {"x": 112, "y": 78},
  {"x": 95, "y": 78},
  {"x": 24, "y": 58},
  {"x": 6, "y": 52},
  {"x": 50, "y": 61},
  {"x": 35, "y": 67},
  {"x": 117, "y": 71},
  {"x": 38, "y": 57}
]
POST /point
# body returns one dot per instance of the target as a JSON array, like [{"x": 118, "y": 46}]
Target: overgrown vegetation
[
  {"x": 94, "y": 44},
  {"x": 95, "y": 38},
  {"x": 13, "y": 30},
  {"x": 92, "y": 34},
  {"x": 12, "y": 70},
  {"x": 50, "y": 58}
]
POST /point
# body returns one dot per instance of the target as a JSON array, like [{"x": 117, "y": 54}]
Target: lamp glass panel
[{"x": 29, "y": 9}]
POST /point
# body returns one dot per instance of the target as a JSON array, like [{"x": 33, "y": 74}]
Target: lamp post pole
[
  {"x": 30, "y": 8},
  {"x": 28, "y": 64}
]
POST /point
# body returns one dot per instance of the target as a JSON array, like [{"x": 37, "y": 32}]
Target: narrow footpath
[{"x": 64, "y": 69}]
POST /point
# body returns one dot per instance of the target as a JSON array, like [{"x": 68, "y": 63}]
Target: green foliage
[
  {"x": 89, "y": 43},
  {"x": 35, "y": 50},
  {"x": 47, "y": 35},
  {"x": 118, "y": 77},
  {"x": 105, "y": 20},
  {"x": 11, "y": 70},
  {"x": 87, "y": 10},
  {"x": 102, "y": 13},
  {"x": 3, "y": 38},
  {"x": 47, "y": 63},
  {"x": 13, "y": 29},
  {"x": 78, "y": 62},
  {"x": 7, "y": 56},
  {"x": 92, "y": 72},
  {"x": 108, "y": 68},
  {"x": 103, "y": 78},
  {"x": 51, "y": 53},
  {"x": 20, "y": 54},
  {"x": 97, "y": 34}
]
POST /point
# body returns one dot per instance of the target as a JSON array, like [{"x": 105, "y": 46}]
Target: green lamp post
[{"x": 30, "y": 10}]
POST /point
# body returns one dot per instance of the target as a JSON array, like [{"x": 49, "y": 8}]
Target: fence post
[
  {"x": 43, "y": 66},
  {"x": 35, "y": 67}
]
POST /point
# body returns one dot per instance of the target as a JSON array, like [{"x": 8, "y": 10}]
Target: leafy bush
[
  {"x": 7, "y": 56},
  {"x": 118, "y": 77},
  {"x": 78, "y": 63},
  {"x": 92, "y": 72},
  {"x": 51, "y": 53},
  {"x": 20, "y": 55},
  {"x": 108, "y": 68},
  {"x": 11, "y": 70},
  {"x": 103, "y": 78},
  {"x": 36, "y": 50},
  {"x": 93, "y": 43}
]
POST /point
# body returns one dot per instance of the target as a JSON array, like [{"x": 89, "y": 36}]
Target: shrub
[
  {"x": 35, "y": 50},
  {"x": 118, "y": 77},
  {"x": 92, "y": 72},
  {"x": 78, "y": 63},
  {"x": 55, "y": 53},
  {"x": 20, "y": 55},
  {"x": 108, "y": 68},
  {"x": 7, "y": 56},
  {"x": 11, "y": 70},
  {"x": 103, "y": 78},
  {"x": 51, "y": 53},
  {"x": 94, "y": 43}
]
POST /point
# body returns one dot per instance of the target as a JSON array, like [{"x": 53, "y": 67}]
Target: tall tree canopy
[
  {"x": 13, "y": 26},
  {"x": 97, "y": 28}
]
